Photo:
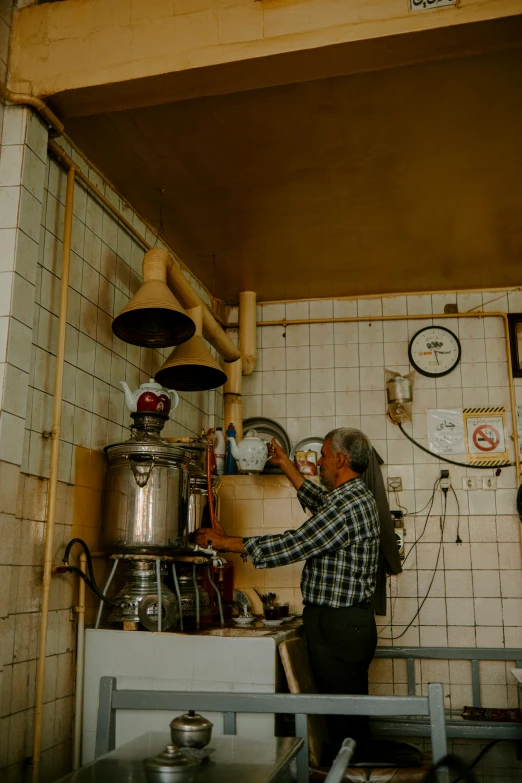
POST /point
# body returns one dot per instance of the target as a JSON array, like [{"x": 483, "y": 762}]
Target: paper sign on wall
[
  {"x": 430, "y": 5},
  {"x": 446, "y": 431},
  {"x": 485, "y": 436}
]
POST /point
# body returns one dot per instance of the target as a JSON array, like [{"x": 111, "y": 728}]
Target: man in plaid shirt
[{"x": 340, "y": 545}]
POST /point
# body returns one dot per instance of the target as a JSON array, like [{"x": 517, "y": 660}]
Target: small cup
[
  {"x": 284, "y": 610},
  {"x": 271, "y": 613}
]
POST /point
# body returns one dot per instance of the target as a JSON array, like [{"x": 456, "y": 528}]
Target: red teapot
[{"x": 151, "y": 397}]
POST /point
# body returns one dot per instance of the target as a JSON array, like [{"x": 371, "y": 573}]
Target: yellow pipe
[
  {"x": 20, "y": 99},
  {"x": 211, "y": 329},
  {"x": 80, "y": 654},
  {"x": 53, "y": 474},
  {"x": 196, "y": 313},
  {"x": 425, "y": 316},
  {"x": 247, "y": 330},
  {"x": 232, "y": 397}
]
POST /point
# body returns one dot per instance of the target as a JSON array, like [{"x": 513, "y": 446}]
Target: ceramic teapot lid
[
  {"x": 152, "y": 385},
  {"x": 250, "y": 434},
  {"x": 190, "y": 721},
  {"x": 169, "y": 759}
]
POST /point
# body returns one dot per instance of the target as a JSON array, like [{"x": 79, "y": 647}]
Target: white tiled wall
[
  {"x": 314, "y": 377},
  {"x": 105, "y": 271}
]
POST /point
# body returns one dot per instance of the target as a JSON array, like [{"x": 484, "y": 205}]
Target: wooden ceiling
[{"x": 406, "y": 179}]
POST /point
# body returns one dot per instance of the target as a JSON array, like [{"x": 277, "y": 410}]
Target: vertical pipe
[
  {"x": 218, "y": 596},
  {"x": 178, "y": 593},
  {"x": 160, "y": 597},
  {"x": 232, "y": 392},
  {"x": 248, "y": 330},
  {"x": 107, "y": 585},
  {"x": 80, "y": 650},
  {"x": 196, "y": 591},
  {"x": 512, "y": 397},
  {"x": 53, "y": 476}
]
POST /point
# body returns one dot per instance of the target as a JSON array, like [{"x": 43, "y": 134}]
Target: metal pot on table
[
  {"x": 191, "y": 730},
  {"x": 170, "y": 766}
]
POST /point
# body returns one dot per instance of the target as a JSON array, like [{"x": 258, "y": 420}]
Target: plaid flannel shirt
[{"x": 340, "y": 544}]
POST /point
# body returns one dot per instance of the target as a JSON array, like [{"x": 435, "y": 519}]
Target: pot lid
[
  {"x": 152, "y": 385},
  {"x": 168, "y": 759},
  {"x": 190, "y": 721},
  {"x": 146, "y": 448}
]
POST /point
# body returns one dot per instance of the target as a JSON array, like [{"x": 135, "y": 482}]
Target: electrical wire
[
  {"x": 458, "y": 540},
  {"x": 443, "y": 520},
  {"x": 392, "y": 605},
  {"x": 477, "y": 759},
  {"x": 402, "y": 508},
  {"x": 431, "y": 502},
  {"x": 490, "y": 301},
  {"x": 450, "y": 761},
  {"x": 445, "y": 459},
  {"x": 90, "y": 580}
]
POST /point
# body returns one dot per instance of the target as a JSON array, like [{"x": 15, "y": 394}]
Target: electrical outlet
[
  {"x": 445, "y": 481},
  {"x": 394, "y": 484},
  {"x": 489, "y": 482},
  {"x": 469, "y": 482},
  {"x": 399, "y": 534}
]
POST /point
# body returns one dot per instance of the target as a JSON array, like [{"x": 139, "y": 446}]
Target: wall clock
[{"x": 434, "y": 351}]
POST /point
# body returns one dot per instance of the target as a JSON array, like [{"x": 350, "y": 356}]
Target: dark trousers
[{"x": 341, "y": 644}]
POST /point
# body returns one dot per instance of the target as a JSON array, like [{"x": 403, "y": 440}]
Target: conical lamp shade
[
  {"x": 190, "y": 367},
  {"x": 153, "y": 318}
]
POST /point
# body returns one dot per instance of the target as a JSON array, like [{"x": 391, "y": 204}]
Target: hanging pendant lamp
[
  {"x": 154, "y": 318},
  {"x": 190, "y": 367}
]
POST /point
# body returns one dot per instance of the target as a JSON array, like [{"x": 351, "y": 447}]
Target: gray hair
[{"x": 355, "y": 446}]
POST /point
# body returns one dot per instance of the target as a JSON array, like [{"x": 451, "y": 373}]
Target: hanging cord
[
  {"x": 392, "y": 605},
  {"x": 445, "y": 459},
  {"x": 454, "y": 762},
  {"x": 443, "y": 520},
  {"x": 458, "y": 539},
  {"x": 90, "y": 580}
]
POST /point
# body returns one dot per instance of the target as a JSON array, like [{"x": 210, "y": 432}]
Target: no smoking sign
[{"x": 485, "y": 435}]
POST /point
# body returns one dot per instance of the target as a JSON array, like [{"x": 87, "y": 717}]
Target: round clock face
[{"x": 434, "y": 351}]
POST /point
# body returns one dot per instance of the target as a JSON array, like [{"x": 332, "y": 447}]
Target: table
[{"x": 236, "y": 758}]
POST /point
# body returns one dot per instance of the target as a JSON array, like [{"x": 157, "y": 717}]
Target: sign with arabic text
[
  {"x": 446, "y": 431},
  {"x": 430, "y": 5}
]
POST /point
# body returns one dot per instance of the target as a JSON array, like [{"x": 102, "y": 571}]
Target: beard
[{"x": 328, "y": 481}]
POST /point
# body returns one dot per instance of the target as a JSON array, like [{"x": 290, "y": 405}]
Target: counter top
[
  {"x": 235, "y": 758},
  {"x": 278, "y": 633}
]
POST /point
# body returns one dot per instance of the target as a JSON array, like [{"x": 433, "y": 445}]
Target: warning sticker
[{"x": 485, "y": 437}]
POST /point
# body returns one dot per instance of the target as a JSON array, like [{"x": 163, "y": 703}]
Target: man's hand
[
  {"x": 278, "y": 457},
  {"x": 219, "y": 540},
  {"x": 206, "y": 534}
]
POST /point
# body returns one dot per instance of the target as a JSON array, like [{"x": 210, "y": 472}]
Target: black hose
[
  {"x": 445, "y": 459},
  {"x": 455, "y": 763},
  {"x": 452, "y": 763},
  {"x": 90, "y": 580}
]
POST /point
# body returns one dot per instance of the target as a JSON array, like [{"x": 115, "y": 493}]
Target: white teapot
[{"x": 251, "y": 453}]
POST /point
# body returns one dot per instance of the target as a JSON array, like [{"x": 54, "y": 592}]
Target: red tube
[{"x": 211, "y": 468}]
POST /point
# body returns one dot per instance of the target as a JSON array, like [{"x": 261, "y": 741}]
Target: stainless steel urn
[{"x": 147, "y": 493}]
